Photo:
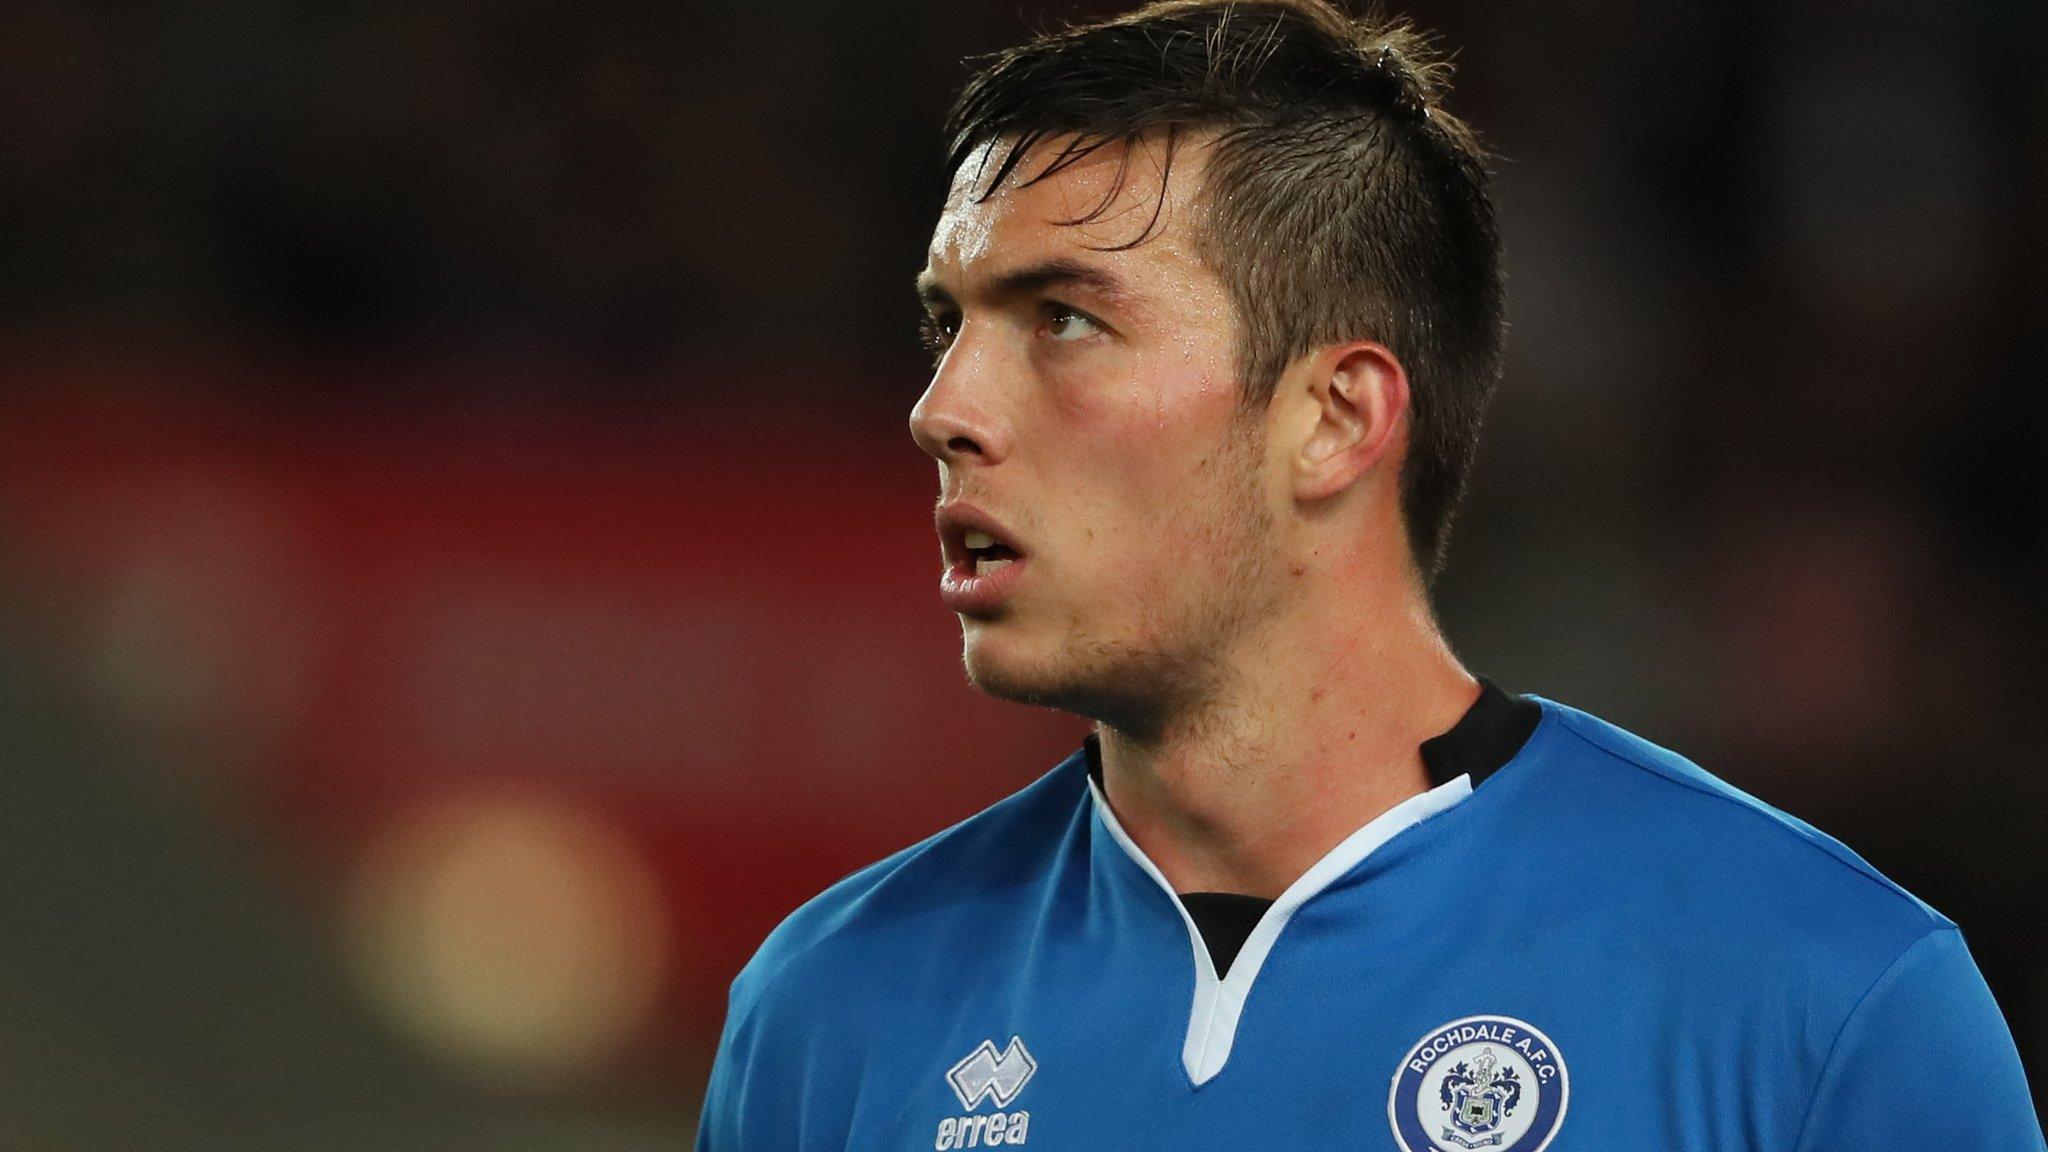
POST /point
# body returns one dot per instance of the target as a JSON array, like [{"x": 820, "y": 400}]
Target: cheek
[
  {"x": 1150, "y": 523},
  {"x": 1141, "y": 476}
]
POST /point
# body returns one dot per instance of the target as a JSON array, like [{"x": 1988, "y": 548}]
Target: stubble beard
[{"x": 1174, "y": 663}]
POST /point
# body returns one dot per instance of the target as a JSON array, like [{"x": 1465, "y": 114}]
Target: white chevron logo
[{"x": 987, "y": 1074}]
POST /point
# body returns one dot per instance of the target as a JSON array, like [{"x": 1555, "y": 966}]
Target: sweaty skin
[{"x": 1229, "y": 596}]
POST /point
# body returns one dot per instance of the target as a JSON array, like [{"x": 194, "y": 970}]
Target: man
[{"x": 1216, "y": 301}]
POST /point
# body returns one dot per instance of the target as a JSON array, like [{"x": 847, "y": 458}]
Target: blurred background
[{"x": 464, "y": 574}]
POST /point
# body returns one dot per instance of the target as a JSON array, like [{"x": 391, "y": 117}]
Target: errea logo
[
  {"x": 984, "y": 1074},
  {"x": 988, "y": 1075}
]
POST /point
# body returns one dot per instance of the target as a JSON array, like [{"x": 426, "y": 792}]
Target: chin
[
  {"x": 1109, "y": 683},
  {"x": 1002, "y": 665}
]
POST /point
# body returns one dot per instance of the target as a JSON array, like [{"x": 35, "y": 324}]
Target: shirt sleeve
[
  {"x": 1924, "y": 1061},
  {"x": 767, "y": 1092},
  {"x": 718, "y": 1125}
]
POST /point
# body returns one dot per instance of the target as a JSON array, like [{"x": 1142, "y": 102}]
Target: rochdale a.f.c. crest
[{"x": 1484, "y": 1082}]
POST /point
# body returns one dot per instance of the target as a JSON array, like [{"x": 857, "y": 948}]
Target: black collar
[{"x": 1487, "y": 736}]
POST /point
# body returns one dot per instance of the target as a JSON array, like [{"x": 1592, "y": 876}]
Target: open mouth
[
  {"x": 982, "y": 568},
  {"x": 986, "y": 554}
]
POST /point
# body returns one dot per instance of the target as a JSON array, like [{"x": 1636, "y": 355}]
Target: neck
[{"x": 1312, "y": 732}]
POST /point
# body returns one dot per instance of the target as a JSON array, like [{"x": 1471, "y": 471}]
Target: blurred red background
[{"x": 464, "y": 573}]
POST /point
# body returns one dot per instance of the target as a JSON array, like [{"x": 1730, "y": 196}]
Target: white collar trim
[{"x": 1218, "y": 1004}]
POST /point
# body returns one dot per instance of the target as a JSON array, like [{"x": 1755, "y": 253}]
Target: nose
[{"x": 952, "y": 421}]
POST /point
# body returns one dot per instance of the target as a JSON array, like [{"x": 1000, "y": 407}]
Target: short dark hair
[{"x": 1344, "y": 201}]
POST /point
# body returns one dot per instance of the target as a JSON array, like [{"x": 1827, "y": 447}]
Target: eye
[
  {"x": 936, "y": 331},
  {"x": 1069, "y": 324}
]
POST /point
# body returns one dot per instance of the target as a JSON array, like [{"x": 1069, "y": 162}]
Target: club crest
[{"x": 1485, "y": 1082}]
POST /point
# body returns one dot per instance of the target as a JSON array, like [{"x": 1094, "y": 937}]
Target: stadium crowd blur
[{"x": 464, "y": 574}]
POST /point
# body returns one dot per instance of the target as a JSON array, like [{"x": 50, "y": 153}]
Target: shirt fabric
[{"x": 1600, "y": 946}]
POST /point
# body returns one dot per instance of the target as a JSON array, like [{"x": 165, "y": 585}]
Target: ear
[{"x": 1346, "y": 411}]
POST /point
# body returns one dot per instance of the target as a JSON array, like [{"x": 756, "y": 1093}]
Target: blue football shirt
[{"x": 1600, "y": 946}]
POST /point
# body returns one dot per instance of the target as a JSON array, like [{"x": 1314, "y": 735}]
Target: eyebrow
[{"x": 1033, "y": 279}]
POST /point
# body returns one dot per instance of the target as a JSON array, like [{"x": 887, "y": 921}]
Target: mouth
[
  {"x": 983, "y": 562},
  {"x": 984, "y": 554},
  {"x": 975, "y": 541}
]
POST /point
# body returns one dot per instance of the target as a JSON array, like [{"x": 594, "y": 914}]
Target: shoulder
[
  {"x": 884, "y": 917},
  {"x": 1636, "y": 879},
  {"x": 1659, "y": 830}
]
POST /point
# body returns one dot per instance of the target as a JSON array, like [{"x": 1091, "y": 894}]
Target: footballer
[{"x": 1216, "y": 302}]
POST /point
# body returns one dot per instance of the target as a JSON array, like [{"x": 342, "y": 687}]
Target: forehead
[{"x": 1093, "y": 208}]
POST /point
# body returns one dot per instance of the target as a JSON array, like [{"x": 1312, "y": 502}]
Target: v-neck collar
[
  {"x": 1219, "y": 1002},
  {"x": 1489, "y": 734}
]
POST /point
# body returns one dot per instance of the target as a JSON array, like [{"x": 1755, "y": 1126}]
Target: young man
[{"x": 1216, "y": 301}]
